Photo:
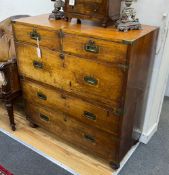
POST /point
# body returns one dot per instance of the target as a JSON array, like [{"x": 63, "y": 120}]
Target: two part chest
[{"x": 79, "y": 87}]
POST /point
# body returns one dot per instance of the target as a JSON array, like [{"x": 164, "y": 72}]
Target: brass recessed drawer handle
[
  {"x": 89, "y": 115},
  {"x": 44, "y": 117},
  {"x": 41, "y": 96},
  {"x": 89, "y": 138},
  {"x": 38, "y": 64},
  {"x": 90, "y": 80},
  {"x": 91, "y": 47},
  {"x": 35, "y": 35}
]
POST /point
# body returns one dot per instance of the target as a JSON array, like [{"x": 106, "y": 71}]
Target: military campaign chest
[{"x": 88, "y": 85}]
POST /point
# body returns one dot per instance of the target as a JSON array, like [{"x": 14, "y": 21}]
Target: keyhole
[{"x": 65, "y": 119}]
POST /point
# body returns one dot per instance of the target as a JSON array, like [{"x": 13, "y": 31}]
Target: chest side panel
[{"x": 142, "y": 55}]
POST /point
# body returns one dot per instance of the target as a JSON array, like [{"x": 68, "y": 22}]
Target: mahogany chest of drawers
[
  {"x": 102, "y": 11},
  {"x": 90, "y": 85}
]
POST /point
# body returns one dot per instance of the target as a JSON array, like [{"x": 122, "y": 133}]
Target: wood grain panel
[
  {"x": 73, "y": 74},
  {"x": 78, "y": 134},
  {"x": 48, "y": 38},
  {"x": 82, "y": 110},
  {"x": 87, "y": 7},
  {"x": 142, "y": 55},
  {"x": 108, "y": 51}
]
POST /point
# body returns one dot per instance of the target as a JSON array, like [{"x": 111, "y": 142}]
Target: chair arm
[
  {"x": 6, "y": 69},
  {"x": 5, "y": 65}
]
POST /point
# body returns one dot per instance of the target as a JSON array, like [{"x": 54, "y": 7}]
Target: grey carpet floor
[
  {"x": 153, "y": 158},
  {"x": 20, "y": 160}
]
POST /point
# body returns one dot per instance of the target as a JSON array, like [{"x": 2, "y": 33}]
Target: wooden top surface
[{"x": 86, "y": 29}]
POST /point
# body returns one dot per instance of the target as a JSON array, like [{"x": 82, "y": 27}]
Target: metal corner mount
[
  {"x": 57, "y": 13},
  {"x": 128, "y": 42},
  {"x": 128, "y": 20}
]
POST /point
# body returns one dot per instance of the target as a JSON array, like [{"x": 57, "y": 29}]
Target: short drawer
[
  {"x": 29, "y": 34},
  {"x": 84, "y": 111},
  {"x": 95, "y": 49},
  {"x": 91, "y": 6},
  {"x": 86, "y": 78},
  {"x": 94, "y": 141}
]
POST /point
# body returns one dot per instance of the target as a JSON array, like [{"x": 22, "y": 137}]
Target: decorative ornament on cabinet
[
  {"x": 128, "y": 20},
  {"x": 57, "y": 13}
]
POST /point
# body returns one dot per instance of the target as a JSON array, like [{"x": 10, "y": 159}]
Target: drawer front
[
  {"x": 95, "y": 49},
  {"x": 87, "y": 7},
  {"x": 88, "y": 113},
  {"x": 86, "y": 78},
  {"x": 29, "y": 34},
  {"x": 90, "y": 139}
]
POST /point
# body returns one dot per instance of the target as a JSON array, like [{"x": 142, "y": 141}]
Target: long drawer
[
  {"x": 95, "y": 49},
  {"x": 85, "y": 77},
  {"x": 29, "y": 34},
  {"x": 84, "y": 111},
  {"x": 86, "y": 138}
]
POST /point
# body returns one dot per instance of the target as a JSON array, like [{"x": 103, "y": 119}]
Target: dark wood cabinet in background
[{"x": 102, "y": 11}]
